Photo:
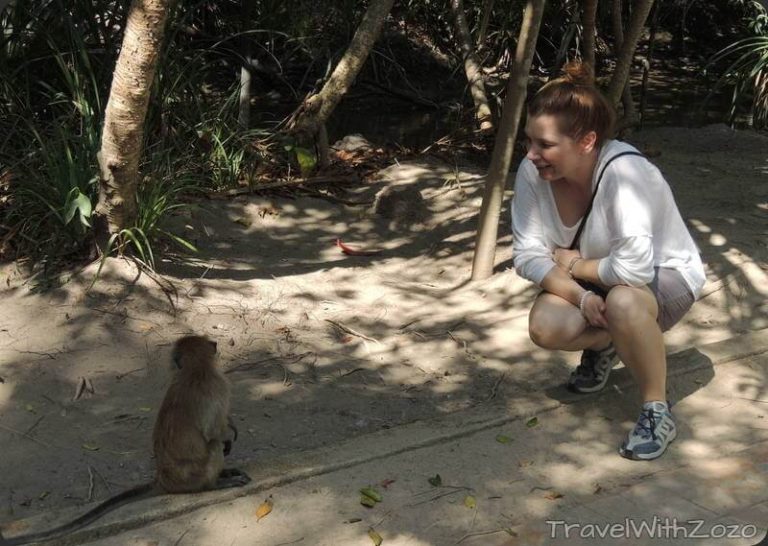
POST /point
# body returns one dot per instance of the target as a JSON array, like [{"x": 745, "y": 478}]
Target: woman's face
[{"x": 554, "y": 154}]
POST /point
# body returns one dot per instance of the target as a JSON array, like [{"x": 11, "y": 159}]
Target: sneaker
[
  {"x": 592, "y": 374},
  {"x": 654, "y": 431}
]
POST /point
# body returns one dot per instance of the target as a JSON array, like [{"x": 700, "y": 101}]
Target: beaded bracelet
[
  {"x": 583, "y": 299},
  {"x": 571, "y": 264}
]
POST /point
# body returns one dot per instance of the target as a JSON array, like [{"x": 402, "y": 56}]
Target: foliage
[
  {"x": 57, "y": 58},
  {"x": 747, "y": 72}
]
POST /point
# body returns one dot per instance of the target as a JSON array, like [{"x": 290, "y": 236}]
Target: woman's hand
[
  {"x": 593, "y": 310},
  {"x": 563, "y": 257}
]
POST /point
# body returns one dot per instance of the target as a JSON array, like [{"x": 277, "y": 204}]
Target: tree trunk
[
  {"x": 244, "y": 109},
  {"x": 488, "y": 224},
  {"x": 472, "y": 67},
  {"x": 483, "y": 32},
  {"x": 123, "y": 130},
  {"x": 618, "y": 35},
  {"x": 318, "y": 108},
  {"x": 641, "y": 8},
  {"x": 590, "y": 16}
]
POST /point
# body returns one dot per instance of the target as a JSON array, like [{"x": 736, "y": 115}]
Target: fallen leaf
[
  {"x": 470, "y": 502},
  {"x": 532, "y": 422},
  {"x": 145, "y": 408},
  {"x": 90, "y": 447},
  {"x": 353, "y": 520},
  {"x": 44, "y": 494},
  {"x": 30, "y": 408},
  {"x": 435, "y": 480},
  {"x": 349, "y": 251},
  {"x": 245, "y": 222},
  {"x": 524, "y": 462},
  {"x": 372, "y": 493},
  {"x": 375, "y": 537},
  {"x": 598, "y": 489},
  {"x": 264, "y": 509},
  {"x": 387, "y": 483},
  {"x": 503, "y": 439},
  {"x": 553, "y": 495},
  {"x": 367, "y": 501}
]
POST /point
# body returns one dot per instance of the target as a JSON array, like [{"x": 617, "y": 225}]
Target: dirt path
[{"x": 271, "y": 286}]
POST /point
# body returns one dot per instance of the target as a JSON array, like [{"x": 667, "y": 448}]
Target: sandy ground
[{"x": 323, "y": 347}]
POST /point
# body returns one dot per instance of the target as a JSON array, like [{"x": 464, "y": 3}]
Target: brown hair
[{"x": 578, "y": 104}]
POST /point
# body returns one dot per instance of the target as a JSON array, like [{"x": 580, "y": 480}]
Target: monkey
[{"x": 190, "y": 438}]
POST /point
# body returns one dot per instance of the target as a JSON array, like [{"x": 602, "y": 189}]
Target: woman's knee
[
  {"x": 549, "y": 331},
  {"x": 627, "y": 307}
]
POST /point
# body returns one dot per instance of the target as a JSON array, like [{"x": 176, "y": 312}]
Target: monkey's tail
[{"x": 137, "y": 493}]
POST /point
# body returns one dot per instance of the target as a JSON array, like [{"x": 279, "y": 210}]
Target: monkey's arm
[{"x": 228, "y": 442}]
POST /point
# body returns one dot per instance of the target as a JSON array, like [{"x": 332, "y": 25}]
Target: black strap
[{"x": 575, "y": 241}]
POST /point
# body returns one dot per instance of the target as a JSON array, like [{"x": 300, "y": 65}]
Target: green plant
[{"x": 748, "y": 68}]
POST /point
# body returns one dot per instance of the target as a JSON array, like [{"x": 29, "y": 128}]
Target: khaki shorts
[{"x": 673, "y": 296}]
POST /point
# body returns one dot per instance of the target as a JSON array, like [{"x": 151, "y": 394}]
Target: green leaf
[
  {"x": 367, "y": 501},
  {"x": 532, "y": 422},
  {"x": 375, "y": 537},
  {"x": 503, "y": 439},
  {"x": 435, "y": 480},
  {"x": 306, "y": 159},
  {"x": 372, "y": 493},
  {"x": 470, "y": 502}
]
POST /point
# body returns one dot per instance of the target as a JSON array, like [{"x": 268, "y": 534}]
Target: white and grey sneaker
[
  {"x": 592, "y": 373},
  {"x": 654, "y": 431}
]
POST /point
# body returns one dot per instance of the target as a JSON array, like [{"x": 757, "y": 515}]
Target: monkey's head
[{"x": 194, "y": 350}]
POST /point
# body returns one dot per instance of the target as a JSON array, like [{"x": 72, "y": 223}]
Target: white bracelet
[{"x": 583, "y": 299}]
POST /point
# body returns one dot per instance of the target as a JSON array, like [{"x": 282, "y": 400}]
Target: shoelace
[{"x": 646, "y": 431}]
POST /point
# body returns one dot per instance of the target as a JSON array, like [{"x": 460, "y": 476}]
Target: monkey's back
[{"x": 190, "y": 430}]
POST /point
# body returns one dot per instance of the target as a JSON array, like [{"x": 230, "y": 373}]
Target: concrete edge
[{"x": 370, "y": 447}]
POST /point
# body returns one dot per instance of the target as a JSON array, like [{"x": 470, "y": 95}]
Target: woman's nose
[{"x": 532, "y": 154}]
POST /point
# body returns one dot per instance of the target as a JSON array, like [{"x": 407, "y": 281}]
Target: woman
[{"x": 612, "y": 285}]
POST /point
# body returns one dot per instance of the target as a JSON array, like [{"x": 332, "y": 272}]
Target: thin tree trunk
[
  {"x": 641, "y": 8},
  {"x": 318, "y": 108},
  {"x": 618, "y": 35},
  {"x": 488, "y": 224},
  {"x": 124, "y": 116},
  {"x": 590, "y": 16},
  {"x": 472, "y": 67},
  {"x": 483, "y": 32},
  {"x": 648, "y": 61},
  {"x": 244, "y": 110},
  {"x": 565, "y": 43}
]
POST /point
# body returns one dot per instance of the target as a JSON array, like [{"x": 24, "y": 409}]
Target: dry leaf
[
  {"x": 470, "y": 502},
  {"x": 264, "y": 509},
  {"x": 503, "y": 439},
  {"x": 90, "y": 447},
  {"x": 553, "y": 495},
  {"x": 375, "y": 537},
  {"x": 387, "y": 483}
]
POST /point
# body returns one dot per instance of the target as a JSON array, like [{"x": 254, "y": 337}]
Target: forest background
[{"x": 232, "y": 93}]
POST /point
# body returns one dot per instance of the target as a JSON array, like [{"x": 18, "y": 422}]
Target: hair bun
[{"x": 578, "y": 73}]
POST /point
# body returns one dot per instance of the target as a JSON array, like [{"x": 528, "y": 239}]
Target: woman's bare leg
[
  {"x": 555, "y": 323},
  {"x": 631, "y": 314}
]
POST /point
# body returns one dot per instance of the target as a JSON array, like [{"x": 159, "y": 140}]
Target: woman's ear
[{"x": 588, "y": 142}]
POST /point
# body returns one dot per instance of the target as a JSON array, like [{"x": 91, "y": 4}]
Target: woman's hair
[{"x": 579, "y": 106}]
